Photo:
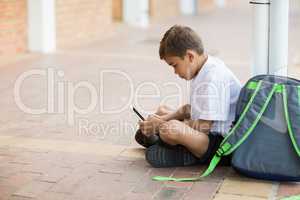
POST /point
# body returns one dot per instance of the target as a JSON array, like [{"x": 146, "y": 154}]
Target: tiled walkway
[{"x": 65, "y": 154}]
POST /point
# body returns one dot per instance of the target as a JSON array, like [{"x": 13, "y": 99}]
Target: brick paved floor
[{"x": 64, "y": 154}]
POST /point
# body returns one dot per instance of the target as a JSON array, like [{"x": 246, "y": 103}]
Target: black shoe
[
  {"x": 144, "y": 140},
  {"x": 160, "y": 155}
]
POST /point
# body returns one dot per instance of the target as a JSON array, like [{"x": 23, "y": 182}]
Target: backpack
[{"x": 265, "y": 138}]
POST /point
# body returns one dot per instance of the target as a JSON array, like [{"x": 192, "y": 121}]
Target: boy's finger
[
  {"x": 156, "y": 116},
  {"x": 143, "y": 123},
  {"x": 142, "y": 126},
  {"x": 146, "y": 123}
]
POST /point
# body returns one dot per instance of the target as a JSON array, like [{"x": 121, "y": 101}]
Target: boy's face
[{"x": 183, "y": 67}]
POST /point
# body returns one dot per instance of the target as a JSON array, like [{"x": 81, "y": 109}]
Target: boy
[{"x": 192, "y": 134}]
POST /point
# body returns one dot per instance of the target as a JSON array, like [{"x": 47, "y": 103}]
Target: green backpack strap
[
  {"x": 227, "y": 147},
  {"x": 291, "y": 105}
]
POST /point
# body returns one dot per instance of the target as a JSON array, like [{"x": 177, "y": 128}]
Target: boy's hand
[{"x": 150, "y": 125}]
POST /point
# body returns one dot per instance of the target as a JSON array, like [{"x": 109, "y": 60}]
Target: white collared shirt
[{"x": 214, "y": 94}]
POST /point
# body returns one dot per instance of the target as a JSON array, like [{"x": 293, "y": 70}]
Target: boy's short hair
[{"x": 177, "y": 40}]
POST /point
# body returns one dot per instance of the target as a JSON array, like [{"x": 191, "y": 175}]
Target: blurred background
[{"x": 49, "y": 26}]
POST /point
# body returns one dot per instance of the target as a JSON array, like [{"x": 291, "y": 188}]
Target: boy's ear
[{"x": 190, "y": 55}]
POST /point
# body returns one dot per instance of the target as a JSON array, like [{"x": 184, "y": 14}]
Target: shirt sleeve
[{"x": 210, "y": 98}]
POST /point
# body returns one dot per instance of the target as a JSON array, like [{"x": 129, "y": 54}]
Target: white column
[
  {"x": 136, "y": 12},
  {"x": 220, "y": 3},
  {"x": 260, "y": 27},
  {"x": 188, "y": 7},
  {"x": 41, "y": 26},
  {"x": 279, "y": 20}
]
